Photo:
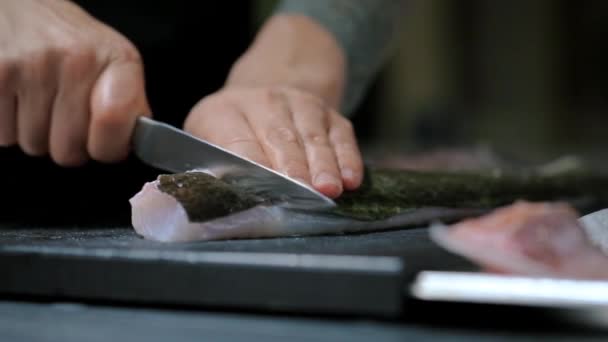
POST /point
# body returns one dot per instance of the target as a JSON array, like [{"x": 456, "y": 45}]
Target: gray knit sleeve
[{"x": 364, "y": 28}]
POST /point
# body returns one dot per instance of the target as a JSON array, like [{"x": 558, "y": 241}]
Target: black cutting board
[{"x": 346, "y": 274}]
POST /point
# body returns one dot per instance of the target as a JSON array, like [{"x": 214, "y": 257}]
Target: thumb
[{"x": 118, "y": 98}]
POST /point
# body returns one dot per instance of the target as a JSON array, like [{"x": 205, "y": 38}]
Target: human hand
[
  {"x": 69, "y": 85},
  {"x": 287, "y": 129}
]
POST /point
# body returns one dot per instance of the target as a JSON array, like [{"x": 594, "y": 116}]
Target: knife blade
[
  {"x": 476, "y": 287},
  {"x": 170, "y": 149}
]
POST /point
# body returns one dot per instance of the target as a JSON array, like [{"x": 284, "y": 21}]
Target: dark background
[{"x": 524, "y": 77}]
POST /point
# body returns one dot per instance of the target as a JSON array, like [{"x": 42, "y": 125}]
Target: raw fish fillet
[
  {"x": 535, "y": 239},
  {"x": 159, "y": 216},
  {"x": 198, "y": 206}
]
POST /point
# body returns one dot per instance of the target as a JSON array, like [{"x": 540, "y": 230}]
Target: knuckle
[
  {"x": 281, "y": 135},
  {"x": 247, "y": 148},
  {"x": 213, "y": 102},
  {"x": 286, "y": 89},
  {"x": 345, "y": 147},
  {"x": 272, "y": 94},
  {"x": 304, "y": 96},
  {"x": 315, "y": 138},
  {"x": 35, "y": 69},
  {"x": 346, "y": 124},
  {"x": 79, "y": 60},
  {"x": 314, "y": 100},
  {"x": 37, "y": 60},
  {"x": 67, "y": 44},
  {"x": 76, "y": 49},
  {"x": 110, "y": 118},
  {"x": 312, "y": 112},
  {"x": 127, "y": 52},
  {"x": 234, "y": 141},
  {"x": 114, "y": 116},
  {"x": 342, "y": 129},
  {"x": 296, "y": 168},
  {"x": 118, "y": 113}
]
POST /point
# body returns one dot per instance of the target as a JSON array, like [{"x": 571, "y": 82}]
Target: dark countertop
[
  {"x": 71, "y": 322},
  {"x": 354, "y": 274},
  {"x": 49, "y": 260}
]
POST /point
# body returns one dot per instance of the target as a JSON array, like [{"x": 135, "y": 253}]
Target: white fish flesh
[
  {"x": 199, "y": 206},
  {"x": 535, "y": 239},
  {"x": 159, "y": 216}
]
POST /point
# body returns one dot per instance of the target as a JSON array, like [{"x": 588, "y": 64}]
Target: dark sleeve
[{"x": 365, "y": 30}]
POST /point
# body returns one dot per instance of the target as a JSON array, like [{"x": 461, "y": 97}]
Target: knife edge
[{"x": 167, "y": 148}]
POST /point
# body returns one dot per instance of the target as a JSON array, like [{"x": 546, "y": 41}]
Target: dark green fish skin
[
  {"x": 205, "y": 197},
  {"x": 386, "y": 193}
]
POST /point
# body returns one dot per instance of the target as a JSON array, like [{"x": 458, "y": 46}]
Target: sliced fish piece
[
  {"x": 536, "y": 239},
  {"x": 201, "y": 206},
  {"x": 171, "y": 214}
]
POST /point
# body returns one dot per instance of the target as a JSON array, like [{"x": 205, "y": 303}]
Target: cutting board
[{"x": 353, "y": 274}]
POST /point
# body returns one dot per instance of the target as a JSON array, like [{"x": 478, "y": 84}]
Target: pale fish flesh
[
  {"x": 535, "y": 239},
  {"x": 198, "y": 206},
  {"x": 159, "y": 216}
]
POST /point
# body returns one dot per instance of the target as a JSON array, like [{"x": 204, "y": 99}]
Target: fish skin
[
  {"x": 387, "y": 199},
  {"x": 158, "y": 216},
  {"x": 534, "y": 239}
]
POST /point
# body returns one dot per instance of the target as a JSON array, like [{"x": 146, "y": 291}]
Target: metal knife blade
[
  {"x": 474, "y": 287},
  {"x": 168, "y": 148}
]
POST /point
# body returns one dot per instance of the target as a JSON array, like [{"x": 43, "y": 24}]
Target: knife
[
  {"x": 476, "y": 287},
  {"x": 582, "y": 302},
  {"x": 167, "y": 148}
]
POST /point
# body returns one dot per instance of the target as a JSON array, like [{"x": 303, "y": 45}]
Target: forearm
[
  {"x": 296, "y": 51},
  {"x": 364, "y": 29}
]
